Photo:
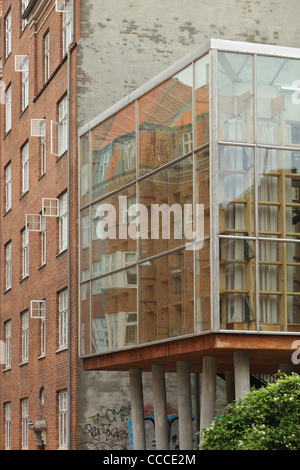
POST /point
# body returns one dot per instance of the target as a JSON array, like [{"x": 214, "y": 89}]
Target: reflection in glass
[
  {"x": 277, "y": 100},
  {"x": 236, "y": 190},
  {"x": 203, "y": 186},
  {"x": 85, "y": 170},
  {"x": 235, "y": 97},
  {"x": 114, "y": 152},
  {"x": 114, "y": 311},
  {"x": 85, "y": 317},
  {"x": 166, "y": 297},
  {"x": 202, "y": 100},
  {"x": 237, "y": 284},
  {"x": 118, "y": 249},
  {"x": 203, "y": 292},
  {"x": 85, "y": 244},
  {"x": 172, "y": 187},
  {"x": 165, "y": 122}
]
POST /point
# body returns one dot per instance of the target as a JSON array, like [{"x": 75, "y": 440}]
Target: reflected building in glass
[{"x": 220, "y": 129}]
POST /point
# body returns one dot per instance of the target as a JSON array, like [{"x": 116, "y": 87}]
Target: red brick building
[{"x": 38, "y": 168}]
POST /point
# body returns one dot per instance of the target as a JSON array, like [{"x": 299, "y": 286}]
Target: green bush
[{"x": 266, "y": 419}]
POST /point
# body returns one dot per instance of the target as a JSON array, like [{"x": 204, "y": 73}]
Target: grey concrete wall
[{"x": 127, "y": 42}]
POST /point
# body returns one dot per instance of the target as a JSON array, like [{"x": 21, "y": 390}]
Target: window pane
[
  {"x": 85, "y": 244},
  {"x": 167, "y": 297},
  {"x": 236, "y": 190},
  {"x": 114, "y": 152},
  {"x": 85, "y": 170},
  {"x": 203, "y": 187},
  {"x": 203, "y": 292},
  {"x": 235, "y": 97},
  {"x": 165, "y": 122},
  {"x": 278, "y": 100},
  {"x": 237, "y": 284},
  {"x": 85, "y": 319},
  {"x": 114, "y": 311},
  {"x": 167, "y": 195},
  {"x": 110, "y": 225},
  {"x": 202, "y": 100}
]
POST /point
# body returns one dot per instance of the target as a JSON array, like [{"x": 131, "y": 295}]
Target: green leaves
[{"x": 266, "y": 419}]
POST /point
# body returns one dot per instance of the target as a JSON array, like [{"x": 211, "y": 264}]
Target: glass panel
[
  {"x": 278, "y": 119},
  {"x": 85, "y": 322},
  {"x": 236, "y": 190},
  {"x": 85, "y": 244},
  {"x": 85, "y": 170},
  {"x": 237, "y": 284},
  {"x": 203, "y": 306},
  {"x": 202, "y": 100},
  {"x": 114, "y": 152},
  {"x": 172, "y": 190},
  {"x": 203, "y": 186},
  {"x": 279, "y": 286},
  {"x": 235, "y": 97},
  {"x": 165, "y": 122},
  {"x": 114, "y": 311},
  {"x": 112, "y": 246},
  {"x": 278, "y": 193},
  {"x": 167, "y": 297}
]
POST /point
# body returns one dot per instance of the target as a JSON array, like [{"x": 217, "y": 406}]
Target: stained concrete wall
[
  {"x": 127, "y": 42},
  {"x": 124, "y": 44}
]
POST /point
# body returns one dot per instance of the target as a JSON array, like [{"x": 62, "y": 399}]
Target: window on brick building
[
  {"x": 8, "y": 187},
  {"x": 8, "y": 344},
  {"x": 7, "y": 408},
  {"x": 43, "y": 240},
  {"x": 8, "y": 109},
  {"x": 63, "y": 126},
  {"x": 62, "y": 419},
  {"x": 63, "y": 222},
  {"x": 25, "y": 168},
  {"x": 25, "y": 336},
  {"x": 24, "y": 6},
  {"x": 43, "y": 148},
  {"x": 67, "y": 26},
  {"x": 8, "y": 34},
  {"x": 25, "y": 417},
  {"x": 25, "y": 87},
  {"x": 63, "y": 319},
  {"x": 25, "y": 253},
  {"x": 47, "y": 56},
  {"x": 43, "y": 329},
  {"x": 8, "y": 266}
]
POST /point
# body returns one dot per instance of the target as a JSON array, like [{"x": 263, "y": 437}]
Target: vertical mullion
[{"x": 256, "y": 193}]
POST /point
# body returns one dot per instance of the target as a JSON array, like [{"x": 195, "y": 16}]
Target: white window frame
[
  {"x": 8, "y": 34},
  {"x": 47, "y": 56},
  {"x": 43, "y": 335},
  {"x": 43, "y": 241},
  {"x": 63, "y": 125},
  {"x": 25, "y": 88},
  {"x": 63, "y": 320},
  {"x": 62, "y": 419},
  {"x": 25, "y": 336},
  {"x": 8, "y": 344},
  {"x": 25, "y": 417},
  {"x": 7, "y": 426},
  {"x": 8, "y": 265},
  {"x": 24, "y": 6},
  {"x": 8, "y": 187},
  {"x": 25, "y": 253},
  {"x": 25, "y": 168},
  {"x": 67, "y": 26},
  {"x": 63, "y": 222},
  {"x": 43, "y": 153},
  {"x": 8, "y": 109}
]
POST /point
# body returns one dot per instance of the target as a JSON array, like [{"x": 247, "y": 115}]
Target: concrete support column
[
  {"x": 241, "y": 373},
  {"x": 184, "y": 405},
  {"x": 137, "y": 409},
  {"x": 229, "y": 381},
  {"x": 208, "y": 391},
  {"x": 160, "y": 407}
]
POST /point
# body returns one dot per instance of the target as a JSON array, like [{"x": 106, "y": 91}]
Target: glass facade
[{"x": 190, "y": 205}]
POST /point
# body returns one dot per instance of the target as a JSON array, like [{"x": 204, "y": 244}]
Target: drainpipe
[{"x": 69, "y": 244}]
